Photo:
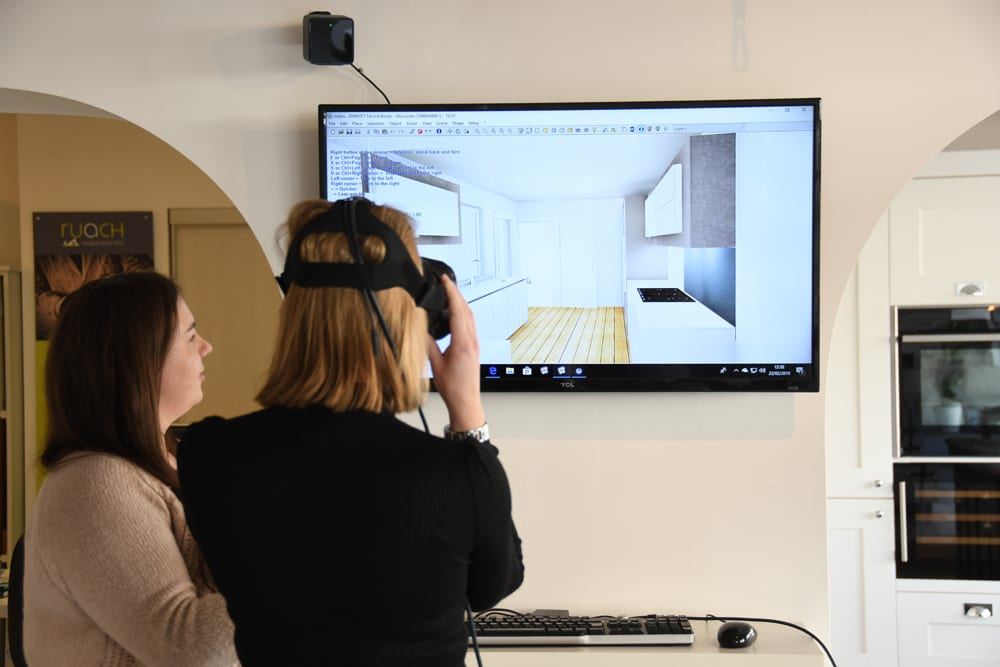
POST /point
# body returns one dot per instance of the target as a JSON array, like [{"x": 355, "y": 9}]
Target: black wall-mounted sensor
[{"x": 327, "y": 39}]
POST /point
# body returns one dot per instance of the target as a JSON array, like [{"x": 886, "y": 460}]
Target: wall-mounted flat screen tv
[{"x": 609, "y": 246}]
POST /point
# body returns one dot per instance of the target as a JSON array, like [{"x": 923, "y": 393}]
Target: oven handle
[
  {"x": 950, "y": 338},
  {"x": 904, "y": 555}
]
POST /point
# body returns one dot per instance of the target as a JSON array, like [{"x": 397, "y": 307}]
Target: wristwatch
[{"x": 481, "y": 434}]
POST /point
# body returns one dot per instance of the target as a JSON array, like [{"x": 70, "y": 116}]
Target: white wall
[{"x": 675, "y": 503}]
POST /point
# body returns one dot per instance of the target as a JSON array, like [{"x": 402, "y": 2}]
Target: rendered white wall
[{"x": 627, "y": 503}]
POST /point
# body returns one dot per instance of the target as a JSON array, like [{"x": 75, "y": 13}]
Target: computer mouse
[{"x": 736, "y": 634}]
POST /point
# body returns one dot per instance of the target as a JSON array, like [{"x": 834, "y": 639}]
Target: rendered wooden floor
[{"x": 579, "y": 335}]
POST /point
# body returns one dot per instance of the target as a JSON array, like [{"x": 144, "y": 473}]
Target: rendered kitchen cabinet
[
  {"x": 500, "y": 307},
  {"x": 663, "y": 205}
]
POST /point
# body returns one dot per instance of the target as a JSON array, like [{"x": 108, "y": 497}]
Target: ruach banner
[{"x": 74, "y": 248}]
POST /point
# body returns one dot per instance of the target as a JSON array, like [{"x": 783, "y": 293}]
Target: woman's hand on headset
[{"x": 456, "y": 370}]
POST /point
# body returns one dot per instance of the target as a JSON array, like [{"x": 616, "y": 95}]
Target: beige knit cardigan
[{"x": 112, "y": 575}]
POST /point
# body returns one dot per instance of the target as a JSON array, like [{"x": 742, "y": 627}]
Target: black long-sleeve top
[{"x": 348, "y": 538}]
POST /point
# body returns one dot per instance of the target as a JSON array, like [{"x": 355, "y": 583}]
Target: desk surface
[{"x": 776, "y": 646}]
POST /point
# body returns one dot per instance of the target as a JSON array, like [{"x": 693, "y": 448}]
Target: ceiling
[
  {"x": 569, "y": 167},
  {"x": 983, "y": 136}
]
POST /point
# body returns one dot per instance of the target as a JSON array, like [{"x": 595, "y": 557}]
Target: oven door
[
  {"x": 948, "y": 394},
  {"x": 948, "y": 520}
]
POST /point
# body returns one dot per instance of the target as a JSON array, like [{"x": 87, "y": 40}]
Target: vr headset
[{"x": 353, "y": 217}]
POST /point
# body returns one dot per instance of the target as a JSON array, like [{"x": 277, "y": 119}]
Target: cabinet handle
[
  {"x": 904, "y": 554},
  {"x": 879, "y": 514},
  {"x": 878, "y": 483},
  {"x": 978, "y": 610},
  {"x": 950, "y": 338}
]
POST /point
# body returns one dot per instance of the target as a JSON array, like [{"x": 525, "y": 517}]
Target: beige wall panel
[
  {"x": 228, "y": 285},
  {"x": 10, "y": 235}
]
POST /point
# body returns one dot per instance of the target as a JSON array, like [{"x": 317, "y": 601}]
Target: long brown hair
[
  {"x": 324, "y": 353},
  {"x": 104, "y": 368}
]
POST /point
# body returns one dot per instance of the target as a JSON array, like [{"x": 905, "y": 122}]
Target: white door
[
  {"x": 540, "y": 260},
  {"x": 214, "y": 256},
  {"x": 578, "y": 260}
]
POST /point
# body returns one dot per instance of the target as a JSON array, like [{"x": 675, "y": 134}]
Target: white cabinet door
[
  {"x": 859, "y": 422},
  {"x": 860, "y": 546},
  {"x": 944, "y": 234},
  {"x": 935, "y": 630},
  {"x": 516, "y": 303},
  {"x": 482, "y": 311},
  {"x": 663, "y": 205}
]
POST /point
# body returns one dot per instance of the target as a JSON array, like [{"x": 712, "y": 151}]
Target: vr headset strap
[{"x": 396, "y": 270}]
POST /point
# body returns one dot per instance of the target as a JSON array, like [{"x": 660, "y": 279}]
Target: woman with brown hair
[
  {"x": 112, "y": 574},
  {"x": 338, "y": 533}
]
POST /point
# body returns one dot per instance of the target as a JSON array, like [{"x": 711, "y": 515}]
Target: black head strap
[{"x": 395, "y": 270}]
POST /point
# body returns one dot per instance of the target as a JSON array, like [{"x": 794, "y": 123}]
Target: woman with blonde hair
[{"x": 337, "y": 532}]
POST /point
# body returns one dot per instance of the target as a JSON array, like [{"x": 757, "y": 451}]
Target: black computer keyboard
[{"x": 508, "y": 628}]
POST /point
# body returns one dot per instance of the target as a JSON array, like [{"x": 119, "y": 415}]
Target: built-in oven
[
  {"x": 947, "y": 382},
  {"x": 947, "y": 442}
]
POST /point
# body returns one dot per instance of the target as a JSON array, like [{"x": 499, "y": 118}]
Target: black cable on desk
[{"x": 711, "y": 617}]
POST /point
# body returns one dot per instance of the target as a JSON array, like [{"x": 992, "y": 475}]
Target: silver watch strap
[{"x": 481, "y": 434}]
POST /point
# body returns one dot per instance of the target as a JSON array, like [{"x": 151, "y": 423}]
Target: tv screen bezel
[{"x": 639, "y": 377}]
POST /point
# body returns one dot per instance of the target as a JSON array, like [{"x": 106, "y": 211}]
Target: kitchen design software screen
[{"x": 609, "y": 246}]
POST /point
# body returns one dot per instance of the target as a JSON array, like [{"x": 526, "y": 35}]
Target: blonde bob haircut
[{"x": 324, "y": 353}]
